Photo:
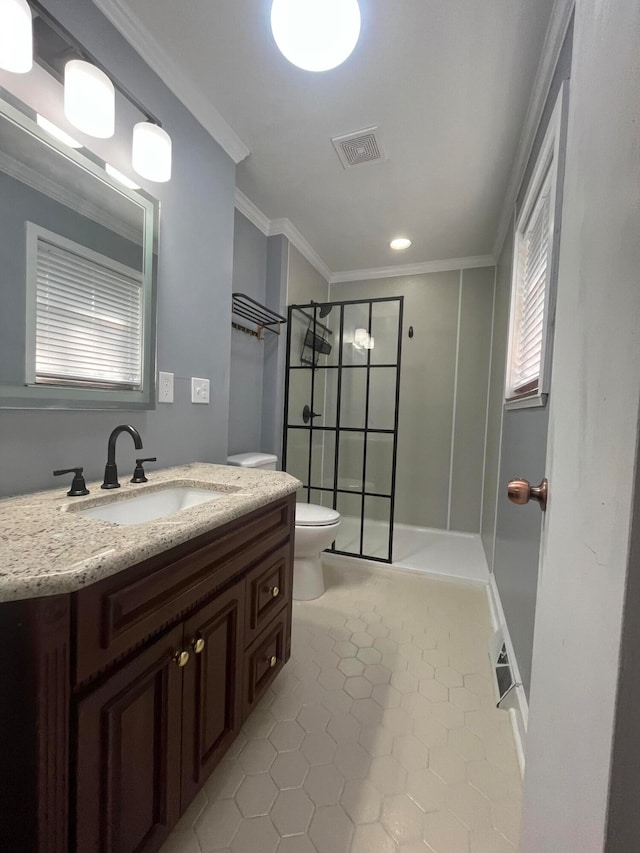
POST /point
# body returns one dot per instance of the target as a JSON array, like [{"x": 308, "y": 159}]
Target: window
[
  {"x": 88, "y": 326},
  {"x": 534, "y": 272}
]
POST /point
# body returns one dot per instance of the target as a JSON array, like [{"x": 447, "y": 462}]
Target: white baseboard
[{"x": 516, "y": 703}]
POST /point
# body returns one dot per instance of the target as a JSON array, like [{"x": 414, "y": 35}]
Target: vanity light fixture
[
  {"x": 316, "y": 35},
  {"x": 16, "y": 36},
  {"x": 151, "y": 155},
  {"x": 89, "y": 99},
  {"x": 400, "y": 243},
  {"x": 57, "y": 132},
  {"x": 118, "y": 176}
]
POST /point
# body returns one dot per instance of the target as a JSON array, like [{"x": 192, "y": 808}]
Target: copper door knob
[{"x": 520, "y": 491}]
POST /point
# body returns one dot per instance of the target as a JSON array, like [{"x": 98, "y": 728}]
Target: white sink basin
[{"x": 151, "y": 506}]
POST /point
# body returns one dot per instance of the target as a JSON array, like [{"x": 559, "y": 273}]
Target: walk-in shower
[{"x": 341, "y": 415}]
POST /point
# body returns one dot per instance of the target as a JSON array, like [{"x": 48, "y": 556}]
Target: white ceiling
[{"x": 447, "y": 82}]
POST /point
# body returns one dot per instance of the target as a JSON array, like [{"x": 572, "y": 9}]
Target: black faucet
[{"x": 110, "y": 469}]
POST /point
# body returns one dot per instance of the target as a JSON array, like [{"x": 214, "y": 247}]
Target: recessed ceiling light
[
  {"x": 316, "y": 35},
  {"x": 123, "y": 179},
  {"x": 400, "y": 243},
  {"x": 57, "y": 133}
]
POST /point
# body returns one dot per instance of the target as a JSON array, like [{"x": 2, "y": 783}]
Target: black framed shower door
[{"x": 342, "y": 396}]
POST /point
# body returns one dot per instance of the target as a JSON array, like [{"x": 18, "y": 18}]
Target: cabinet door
[
  {"x": 128, "y": 754},
  {"x": 212, "y": 686}
]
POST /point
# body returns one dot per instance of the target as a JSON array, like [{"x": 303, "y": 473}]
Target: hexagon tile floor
[{"x": 379, "y": 736}]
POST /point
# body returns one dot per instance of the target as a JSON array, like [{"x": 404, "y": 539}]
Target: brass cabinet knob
[
  {"x": 198, "y": 644},
  {"x": 275, "y": 591},
  {"x": 181, "y": 658},
  {"x": 273, "y": 660},
  {"x": 520, "y": 492}
]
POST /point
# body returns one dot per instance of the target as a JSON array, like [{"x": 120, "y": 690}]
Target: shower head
[{"x": 325, "y": 309}]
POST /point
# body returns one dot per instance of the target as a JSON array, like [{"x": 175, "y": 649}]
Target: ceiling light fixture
[
  {"x": 89, "y": 99},
  {"x": 151, "y": 155},
  {"x": 57, "y": 132},
  {"x": 16, "y": 36},
  {"x": 400, "y": 243},
  {"x": 316, "y": 35},
  {"x": 118, "y": 176}
]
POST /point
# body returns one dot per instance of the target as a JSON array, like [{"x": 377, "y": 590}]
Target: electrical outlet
[
  {"x": 165, "y": 387},
  {"x": 199, "y": 390}
]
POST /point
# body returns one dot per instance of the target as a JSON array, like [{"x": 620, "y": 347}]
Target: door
[
  {"x": 212, "y": 686},
  {"x": 341, "y": 415},
  {"x": 128, "y": 754},
  {"x": 518, "y": 530}
]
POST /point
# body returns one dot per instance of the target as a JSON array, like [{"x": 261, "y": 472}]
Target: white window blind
[
  {"x": 531, "y": 284},
  {"x": 88, "y": 318}
]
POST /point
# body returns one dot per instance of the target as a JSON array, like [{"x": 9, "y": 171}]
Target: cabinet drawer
[
  {"x": 264, "y": 659},
  {"x": 115, "y": 615},
  {"x": 268, "y": 591}
]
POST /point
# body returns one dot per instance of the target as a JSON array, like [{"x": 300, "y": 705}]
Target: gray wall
[
  {"x": 443, "y": 393},
  {"x": 516, "y": 446},
  {"x": 304, "y": 282},
  {"x": 247, "y": 353},
  {"x": 194, "y": 288},
  {"x": 275, "y": 347}
]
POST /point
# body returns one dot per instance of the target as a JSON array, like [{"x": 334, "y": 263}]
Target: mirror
[{"x": 77, "y": 277}]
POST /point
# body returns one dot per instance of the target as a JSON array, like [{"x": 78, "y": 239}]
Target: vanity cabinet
[{"x": 125, "y": 695}]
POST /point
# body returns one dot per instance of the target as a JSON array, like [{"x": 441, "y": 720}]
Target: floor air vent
[
  {"x": 504, "y": 676},
  {"x": 362, "y": 146}
]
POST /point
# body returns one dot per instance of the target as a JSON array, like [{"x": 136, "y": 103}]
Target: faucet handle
[
  {"x": 78, "y": 485},
  {"x": 138, "y": 474}
]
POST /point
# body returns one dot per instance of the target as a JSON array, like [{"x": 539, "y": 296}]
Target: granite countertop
[{"x": 47, "y": 549}]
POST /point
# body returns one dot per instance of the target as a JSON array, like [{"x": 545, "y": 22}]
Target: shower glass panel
[{"x": 341, "y": 415}]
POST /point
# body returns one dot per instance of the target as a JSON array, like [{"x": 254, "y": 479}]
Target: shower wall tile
[
  {"x": 471, "y": 398},
  {"x": 426, "y": 389}
]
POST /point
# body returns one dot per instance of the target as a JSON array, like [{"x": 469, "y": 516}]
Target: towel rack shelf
[{"x": 262, "y": 317}]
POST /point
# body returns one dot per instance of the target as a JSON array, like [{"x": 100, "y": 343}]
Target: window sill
[{"x": 530, "y": 402}]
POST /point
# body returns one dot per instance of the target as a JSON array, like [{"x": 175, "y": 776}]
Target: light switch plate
[
  {"x": 165, "y": 387},
  {"x": 199, "y": 390}
]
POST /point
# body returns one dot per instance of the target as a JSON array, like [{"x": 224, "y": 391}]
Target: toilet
[{"x": 316, "y": 528}]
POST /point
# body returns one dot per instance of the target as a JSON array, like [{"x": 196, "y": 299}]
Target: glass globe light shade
[
  {"x": 151, "y": 155},
  {"x": 89, "y": 99},
  {"x": 316, "y": 35},
  {"x": 16, "y": 36}
]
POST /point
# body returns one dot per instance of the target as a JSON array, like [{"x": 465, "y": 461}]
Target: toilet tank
[{"x": 266, "y": 461}]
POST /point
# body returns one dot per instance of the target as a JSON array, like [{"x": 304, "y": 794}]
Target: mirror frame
[{"x": 25, "y": 396}]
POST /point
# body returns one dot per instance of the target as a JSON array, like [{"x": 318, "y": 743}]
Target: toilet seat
[{"x": 313, "y": 515}]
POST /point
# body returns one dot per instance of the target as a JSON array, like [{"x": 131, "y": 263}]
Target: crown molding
[
  {"x": 252, "y": 213},
  {"x": 139, "y": 37},
  {"x": 289, "y": 230},
  {"x": 468, "y": 263},
  {"x": 554, "y": 38},
  {"x": 272, "y": 227}
]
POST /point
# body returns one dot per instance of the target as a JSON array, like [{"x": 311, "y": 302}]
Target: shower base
[{"x": 417, "y": 549}]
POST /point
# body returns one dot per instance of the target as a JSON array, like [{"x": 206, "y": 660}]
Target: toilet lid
[{"x": 312, "y": 515}]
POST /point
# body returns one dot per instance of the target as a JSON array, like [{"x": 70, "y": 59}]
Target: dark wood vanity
[{"x": 118, "y": 700}]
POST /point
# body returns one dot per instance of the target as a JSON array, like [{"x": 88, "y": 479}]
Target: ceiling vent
[{"x": 359, "y": 147}]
